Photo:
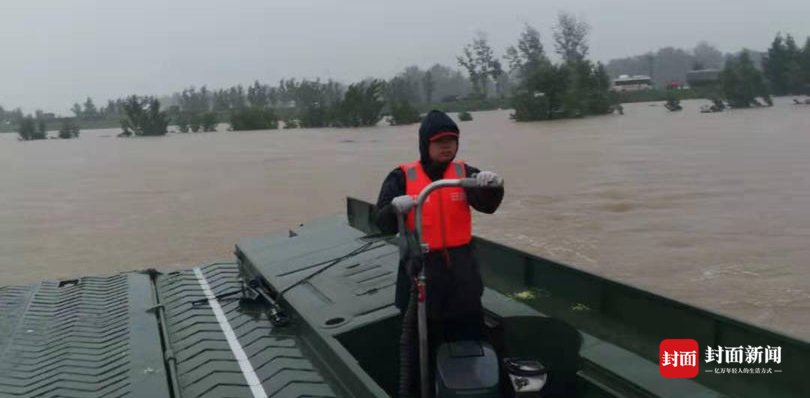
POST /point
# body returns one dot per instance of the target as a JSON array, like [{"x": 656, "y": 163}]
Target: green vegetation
[
  {"x": 143, "y": 117},
  {"x": 209, "y": 121},
  {"x": 312, "y": 104},
  {"x": 182, "y": 121},
  {"x": 69, "y": 129},
  {"x": 254, "y": 119},
  {"x": 32, "y": 129},
  {"x": 195, "y": 122},
  {"x": 573, "y": 88},
  {"x": 481, "y": 65},
  {"x": 193, "y": 111},
  {"x": 403, "y": 113},
  {"x": 465, "y": 116},
  {"x": 787, "y": 67},
  {"x": 673, "y": 101},
  {"x": 361, "y": 105},
  {"x": 523, "y": 78},
  {"x": 10, "y": 119},
  {"x": 741, "y": 83}
]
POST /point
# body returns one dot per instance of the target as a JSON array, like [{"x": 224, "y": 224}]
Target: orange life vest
[{"x": 446, "y": 218}]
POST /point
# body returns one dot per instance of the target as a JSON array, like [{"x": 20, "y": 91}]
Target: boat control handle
[{"x": 468, "y": 183}]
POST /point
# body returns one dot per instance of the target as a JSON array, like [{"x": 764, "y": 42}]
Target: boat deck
[
  {"x": 101, "y": 337},
  {"x": 188, "y": 334}
]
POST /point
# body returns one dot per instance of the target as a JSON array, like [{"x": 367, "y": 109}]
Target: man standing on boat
[{"x": 454, "y": 286}]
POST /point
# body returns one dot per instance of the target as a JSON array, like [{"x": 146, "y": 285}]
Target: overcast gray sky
[{"x": 56, "y": 52}]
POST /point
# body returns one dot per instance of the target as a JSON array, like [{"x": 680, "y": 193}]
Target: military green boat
[{"x": 309, "y": 313}]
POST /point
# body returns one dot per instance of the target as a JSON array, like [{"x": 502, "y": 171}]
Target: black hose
[{"x": 407, "y": 346}]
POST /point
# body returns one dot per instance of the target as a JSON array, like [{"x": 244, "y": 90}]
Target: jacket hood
[{"x": 434, "y": 123}]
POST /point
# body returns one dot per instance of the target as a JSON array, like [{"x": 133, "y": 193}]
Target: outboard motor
[
  {"x": 467, "y": 368},
  {"x": 524, "y": 378}
]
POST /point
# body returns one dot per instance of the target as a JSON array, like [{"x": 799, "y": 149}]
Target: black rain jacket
[{"x": 454, "y": 284}]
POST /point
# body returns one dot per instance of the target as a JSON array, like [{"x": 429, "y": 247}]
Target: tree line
[
  {"x": 540, "y": 90},
  {"x": 35, "y": 127},
  {"x": 311, "y": 103},
  {"x": 523, "y": 77},
  {"x": 317, "y": 103}
]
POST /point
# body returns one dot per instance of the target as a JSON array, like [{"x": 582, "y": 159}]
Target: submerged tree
[
  {"x": 783, "y": 66},
  {"x": 673, "y": 102},
  {"x": 541, "y": 93},
  {"x": 403, "y": 113},
  {"x": 209, "y": 121},
  {"x": 195, "y": 123},
  {"x": 574, "y": 88},
  {"x": 361, "y": 105},
  {"x": 314, "y": 100},
  {"x": 254, "y": 119},
  {"x": 464, "y": 116},
  {"x": 741, "y": 83},
  {"x": 182, "y": 121},
  {"x": 195, "y": 101},
  {"x": 30, "y": 130},
  {"x": 144, "y": 117},
  {"x": 69, "y": 129},
  {"x": 599, "y": 95}
]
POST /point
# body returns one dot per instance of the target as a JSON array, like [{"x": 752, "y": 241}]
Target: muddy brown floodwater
[{"x": 710, "y": 209}]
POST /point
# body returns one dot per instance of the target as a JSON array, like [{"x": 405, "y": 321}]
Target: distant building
[
  {"x": 632, "y": 83},
  {"x": 703, "y": 77}
]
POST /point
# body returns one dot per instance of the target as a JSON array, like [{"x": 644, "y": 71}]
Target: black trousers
[
  {"x": 454, "y": 285},
  {"x": 454, "y": 311}
]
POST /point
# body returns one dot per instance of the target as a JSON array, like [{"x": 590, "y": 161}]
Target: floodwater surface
[{"x": 710, "y": 209}]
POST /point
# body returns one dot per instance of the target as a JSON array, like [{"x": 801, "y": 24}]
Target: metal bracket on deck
[{"x": 276, "y": 315}]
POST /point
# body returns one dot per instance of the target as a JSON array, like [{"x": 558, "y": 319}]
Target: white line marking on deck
[{"x": 244, "y": 363}]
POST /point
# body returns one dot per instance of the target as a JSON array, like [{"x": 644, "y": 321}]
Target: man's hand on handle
[
  {"x": 488, "y": 179},
  {"x": 484, "y": 179},
  {"x": 403, "y": 204}
]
